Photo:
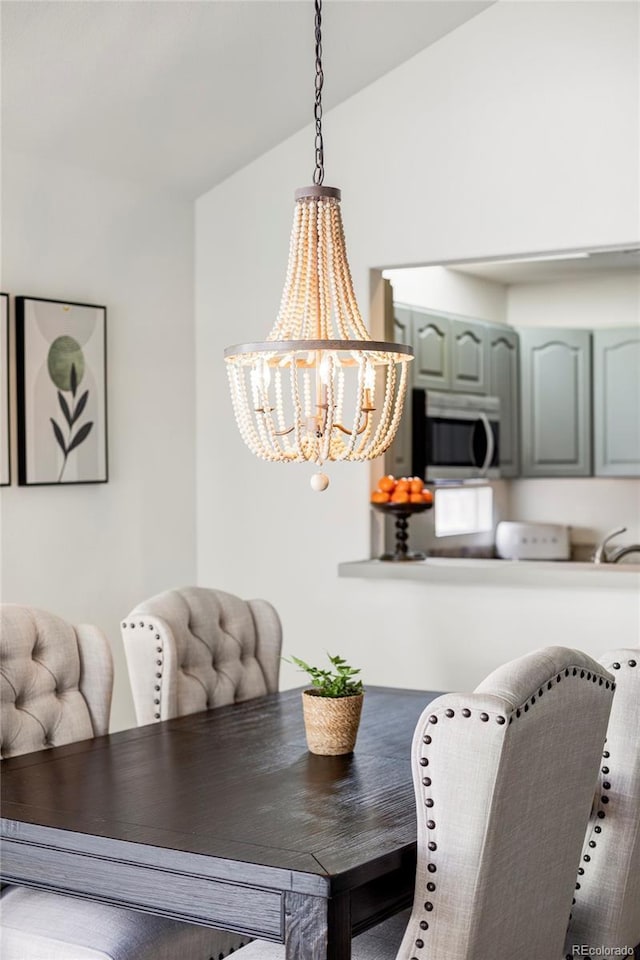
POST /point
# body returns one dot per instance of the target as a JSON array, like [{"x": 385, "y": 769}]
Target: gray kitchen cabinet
[
  {"x": 503, "y": 355},
  {"x": 555, "y": 377},
  {"x": 402, "y": 332},
  {"x": 430, "y": 335},
  {"x": 468, "y": 356},
  {"x": 616, "y": 402},
  {"x": 398, "y": 459}
]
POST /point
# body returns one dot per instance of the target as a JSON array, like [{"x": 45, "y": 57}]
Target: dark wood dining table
[{"x": 225, "y": 819}]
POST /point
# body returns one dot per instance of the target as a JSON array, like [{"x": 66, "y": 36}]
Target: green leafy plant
[{"x": 332, "y": 683}]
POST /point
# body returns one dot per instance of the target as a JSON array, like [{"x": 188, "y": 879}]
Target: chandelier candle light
[{"x": 319, "y": 388}]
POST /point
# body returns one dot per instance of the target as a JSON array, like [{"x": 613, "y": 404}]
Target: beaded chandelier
[{"x": 319, "y": 388}]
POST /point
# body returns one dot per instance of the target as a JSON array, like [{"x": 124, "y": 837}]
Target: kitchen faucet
[{"x": 601, "y": 555}]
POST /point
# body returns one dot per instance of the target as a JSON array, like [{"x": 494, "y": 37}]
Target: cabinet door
[
  {"x": 504, "y": 358},
  {"x": 398, "y": 458},
  {"x": 616, "y": 396},
  {"x": 468, "y": 357},
  {"x": 430, "y": 338},
  {"x": 556, "y": 402}
]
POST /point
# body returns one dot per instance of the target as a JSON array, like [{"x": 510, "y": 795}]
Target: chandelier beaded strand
[{"x": 319, "y": 388}]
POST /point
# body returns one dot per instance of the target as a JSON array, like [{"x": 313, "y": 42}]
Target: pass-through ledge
[{"x": 498, "y": 573}]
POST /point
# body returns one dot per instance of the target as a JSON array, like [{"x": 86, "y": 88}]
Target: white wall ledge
[{"x": 498, "y": 573}]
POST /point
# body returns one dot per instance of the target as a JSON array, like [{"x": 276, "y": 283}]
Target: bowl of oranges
[
  {"x": 405, "y": 492},
  {"x": 402, "y": 498}
]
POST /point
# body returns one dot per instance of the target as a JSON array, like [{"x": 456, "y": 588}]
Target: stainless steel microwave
[{"x": 455, "y": 436}]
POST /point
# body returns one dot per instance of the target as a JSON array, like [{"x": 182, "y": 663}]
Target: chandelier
[{"x": 318, "y": 388}]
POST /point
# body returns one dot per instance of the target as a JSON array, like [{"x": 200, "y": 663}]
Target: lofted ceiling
[{"x": 180, "y": 94}]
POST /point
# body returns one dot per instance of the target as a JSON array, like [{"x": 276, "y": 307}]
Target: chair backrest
[
  {"x": 504, "y": 780},
  {"x": 56, "y": 680},
  {"x": 196, "y": 648},
  {"x": 607, "y": 908}
]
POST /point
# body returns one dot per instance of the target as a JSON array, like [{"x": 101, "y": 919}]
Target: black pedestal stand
[{"x": 402, "y": 512}]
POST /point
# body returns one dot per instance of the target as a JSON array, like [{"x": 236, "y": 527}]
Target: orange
[
  {"x": 387, "y": 484},
  {"x": 400, "y": 496},
  {"x": 415, "y": 498},
  {"x": 427, "y": 496},
  {"x": 416, "y": 485},
  {"x": 379, "y": 496},
  {"x": 402, "y": 486}
]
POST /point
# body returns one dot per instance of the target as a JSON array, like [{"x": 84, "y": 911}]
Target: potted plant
[{"x": 332, "y": 707}]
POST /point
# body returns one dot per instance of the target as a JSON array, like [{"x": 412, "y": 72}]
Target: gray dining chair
[
  {"x": 196, "y": 648},
  {"x": 606, "y": 913},
  {"x": 504, "y": 780},
  {"x": 55, "y": 684}
]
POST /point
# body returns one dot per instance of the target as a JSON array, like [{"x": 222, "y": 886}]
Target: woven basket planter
[{"x": 331, "y": 723}]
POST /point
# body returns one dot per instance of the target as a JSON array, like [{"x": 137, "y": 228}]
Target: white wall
[
  {"x": 437, "y": 288},
  {"x": 610, "y": 299},
  {"x": 502, "y": 138},
  {"x": 89, "y": 553}
]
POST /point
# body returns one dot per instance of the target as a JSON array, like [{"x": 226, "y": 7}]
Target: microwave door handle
[
  {"x": 491, "y": 445},
  {"x": 472, "y": 453}
]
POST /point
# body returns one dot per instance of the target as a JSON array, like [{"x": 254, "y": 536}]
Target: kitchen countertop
[{"x": 467, "y": 570}]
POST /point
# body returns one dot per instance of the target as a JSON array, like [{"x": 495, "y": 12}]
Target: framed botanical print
[
  {"x": 5, "y": 429},
  {"x": 62, "y": 392}
]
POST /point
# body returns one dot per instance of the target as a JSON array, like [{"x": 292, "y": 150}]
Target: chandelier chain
[{"x": 318, "y": 173}]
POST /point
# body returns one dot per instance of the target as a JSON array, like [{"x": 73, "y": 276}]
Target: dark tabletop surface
[{"x": 236, "y": 783}]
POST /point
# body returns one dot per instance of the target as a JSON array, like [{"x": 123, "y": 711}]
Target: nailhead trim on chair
[
  {"x": 221, "y": 956},
  {"x": 500, "y": 719},
  {"x": 157, "y": 687},
  {"x": 604, "y": 799}
]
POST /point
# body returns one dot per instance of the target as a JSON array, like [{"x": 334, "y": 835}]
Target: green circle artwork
[{"x": 64, "y": 353}]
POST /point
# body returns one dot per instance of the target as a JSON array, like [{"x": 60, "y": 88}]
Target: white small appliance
[{"x": 532, "y": 541}]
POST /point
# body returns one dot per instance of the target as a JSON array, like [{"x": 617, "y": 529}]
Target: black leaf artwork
[
  {"x": 64, "y": 406},
  {"x": 81, "y": 435},
  {"x": 61, "y": 392},
  {"x": 58, "y": 435},
  {"x": 72, "y": 415},
  {"x": 82, "y": 402}
]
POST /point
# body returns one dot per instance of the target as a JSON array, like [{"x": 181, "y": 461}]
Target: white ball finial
[{"x": 319, "y": 482}]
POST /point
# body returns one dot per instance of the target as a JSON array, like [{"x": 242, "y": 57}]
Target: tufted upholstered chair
[
  {"x": 56, "y": 683},
  {"x": 504, "y": 780},
  {"x": 196, "y": 648},
  {"x": 607, "y": 908}
]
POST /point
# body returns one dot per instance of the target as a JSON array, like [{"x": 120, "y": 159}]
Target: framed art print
[
  {"x": 62, "y": 392},
  {"x": 5, "y": 431}
]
